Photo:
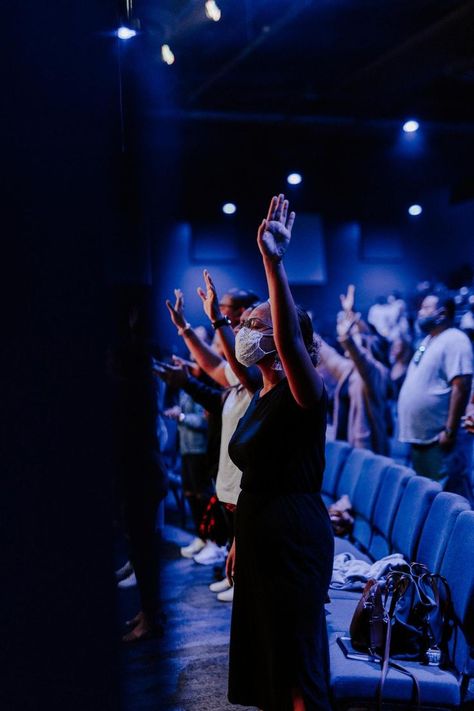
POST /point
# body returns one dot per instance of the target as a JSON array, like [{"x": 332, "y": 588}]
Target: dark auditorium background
[{"x": 116, "y": 166}]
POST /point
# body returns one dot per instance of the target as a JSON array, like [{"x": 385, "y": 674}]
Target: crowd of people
[{"x": 252, "y": 406}]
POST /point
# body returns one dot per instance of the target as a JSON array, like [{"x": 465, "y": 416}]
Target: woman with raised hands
[{"x": 282, "y": 557}]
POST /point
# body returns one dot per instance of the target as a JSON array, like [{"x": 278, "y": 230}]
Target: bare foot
[
  {"x": 135, "y": 620},
  {"x": 142, "y": 631}
]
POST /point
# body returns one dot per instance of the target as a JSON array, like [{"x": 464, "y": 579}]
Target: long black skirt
[{"x": 284, "y": 558}]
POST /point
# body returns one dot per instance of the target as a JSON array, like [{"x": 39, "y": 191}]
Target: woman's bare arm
[{"x": 273, "y": 239}]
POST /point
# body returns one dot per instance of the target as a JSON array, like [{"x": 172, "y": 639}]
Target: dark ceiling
[{"x": 317, "y": 86}]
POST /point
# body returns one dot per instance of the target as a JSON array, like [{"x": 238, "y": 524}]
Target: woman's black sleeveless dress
[{"x": 284, "y": 555}]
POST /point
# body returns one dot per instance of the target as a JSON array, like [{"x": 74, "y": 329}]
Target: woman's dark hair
[{"x": 310, "y": 339}]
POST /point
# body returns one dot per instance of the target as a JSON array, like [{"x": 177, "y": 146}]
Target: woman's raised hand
[
  {"x": 345, "y": 321},
  {"x": 210, "y": 302},
  {"x": 274, "y": 233},
  {"x": 348, "y": 299},
  {"x": 177, "y": 311}
]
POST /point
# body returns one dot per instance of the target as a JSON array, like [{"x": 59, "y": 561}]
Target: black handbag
[
  {"x": 415, "y": 625},
  {"x": 368, "y": 628},
  {"x": 420, "y": 615}
]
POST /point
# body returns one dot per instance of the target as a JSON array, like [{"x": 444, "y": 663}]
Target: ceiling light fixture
[
  {"x": 229, "y": 208},
  {"x": 213, "y": 11},
  {"x": 167, "y": 55},
  {"x": 125, "y": 33},
  {"x": 411, "y": 126},
  {"x": 294, "y": 179},
  {"x": 415, "y": 210}
]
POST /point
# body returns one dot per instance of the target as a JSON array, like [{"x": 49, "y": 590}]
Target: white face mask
[{"x": 247, "y": 346}]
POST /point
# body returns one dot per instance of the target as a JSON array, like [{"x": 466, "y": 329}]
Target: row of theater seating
[{"x": 396, "y": 511}]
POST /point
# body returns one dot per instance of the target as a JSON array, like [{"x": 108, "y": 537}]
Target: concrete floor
[{"x": 185, "y": 670}]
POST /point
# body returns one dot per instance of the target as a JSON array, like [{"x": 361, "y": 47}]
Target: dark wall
[{"x": 61, "y": 160}]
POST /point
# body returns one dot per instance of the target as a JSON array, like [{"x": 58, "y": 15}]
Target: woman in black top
[{"x": 281, "y": 560}]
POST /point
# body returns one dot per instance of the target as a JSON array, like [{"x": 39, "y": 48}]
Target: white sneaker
[
  {"x": 210, "y": 554},
  {"x": 196, "y": 545},
  {"x": 124, "y": 571},
  {"x": 226, "y": 596},
  {"x": 219, "y": 586},
  {"x": 129, "y": 582}
]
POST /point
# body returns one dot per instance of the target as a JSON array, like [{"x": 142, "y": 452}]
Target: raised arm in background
[
  {"x": 205, "y": 357},
  {"x": 273, "y": 239},
  {"x": 347, "y": 322},
  {"x": 249, "y": 377}
]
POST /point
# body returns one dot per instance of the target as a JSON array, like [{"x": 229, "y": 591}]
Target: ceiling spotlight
[
  {"x": 125, "y": 33},
  {"x": 411, "y": 126},
  {"x": 229, "y": 208},
  {"x": 213, "y": 11},
  {"x": 415, "y": 210},
  {"x": 294, "y": 179},
  {"x": 166, "y": 54}
]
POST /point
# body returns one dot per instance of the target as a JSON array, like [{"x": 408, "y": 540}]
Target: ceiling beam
[
  {"x": 323, "y": 121},
  {"x": 266, "y": 33}
]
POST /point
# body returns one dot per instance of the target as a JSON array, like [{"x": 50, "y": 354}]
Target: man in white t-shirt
[{"x": 434, "y": 396}]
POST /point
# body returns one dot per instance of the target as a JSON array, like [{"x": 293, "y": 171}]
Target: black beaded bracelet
[{"x": 224, "y": 321}]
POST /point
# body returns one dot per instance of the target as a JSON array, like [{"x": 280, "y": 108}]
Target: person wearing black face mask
[{"x": 434, "y": 396}]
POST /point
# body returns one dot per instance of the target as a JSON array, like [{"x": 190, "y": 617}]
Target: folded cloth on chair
[{"x": 349, "y": 573}]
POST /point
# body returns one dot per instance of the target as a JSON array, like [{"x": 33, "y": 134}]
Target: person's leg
[
  {"x": 144, "y": 556},
  {"x": 428, "y": 460},
  {"x": 141, "y": 506},
  {"x": 458, "y": 465},
  {"x": 201, "y": 485},
  {"x": 191, "y": 465}
]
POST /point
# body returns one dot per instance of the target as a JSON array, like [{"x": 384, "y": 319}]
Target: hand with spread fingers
[
  {"x": 210, "y": 302},
  {"x": 177, "y": 311},
  {"x": 348, "y": 299},
  {"x": 347, "y": 318},
  {"x": 345, "y": 322},
  {"x": 274, "y": 233}
]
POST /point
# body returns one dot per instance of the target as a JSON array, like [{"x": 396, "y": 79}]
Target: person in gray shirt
[{"x": 434, "y": 396}]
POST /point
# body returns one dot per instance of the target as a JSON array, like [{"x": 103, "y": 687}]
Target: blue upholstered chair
[
  {"x": 336, "y": 455},
  {"x": 412, "y": 511},
  {"x": 358, "y": 461},
  {"x": 458, "y": 568},
  {"x": 351, "y": 471},
  {"x": 438, "y": 527},
  {"x": 373, "y": 474},
  {"x": 386, "y": 507}
]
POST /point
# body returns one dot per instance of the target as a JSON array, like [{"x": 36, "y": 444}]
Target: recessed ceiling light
[
  {"x": 125, "y": 33},
  {"x": 294, "y": 179},
  {"x": 411, "y": 126},
  {"x": 166, "y": 54}
]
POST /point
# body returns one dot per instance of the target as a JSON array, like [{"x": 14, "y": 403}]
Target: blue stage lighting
[
  {"x": 294, "y": 179},
  {"x": 411, "y": 126},
  {"x": 125, "y": 33}
]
